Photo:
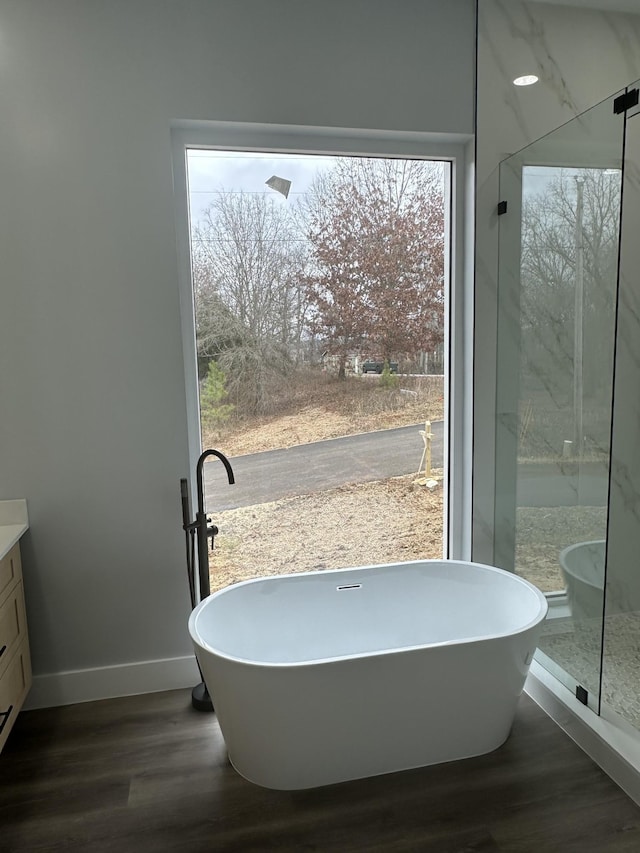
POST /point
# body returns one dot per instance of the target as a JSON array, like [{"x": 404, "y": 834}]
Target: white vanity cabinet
[{"x": 15, "y": 661}]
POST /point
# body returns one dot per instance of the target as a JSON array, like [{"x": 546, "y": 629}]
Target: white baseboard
[
  {"x": 607, "y": 740},
  {"x": 108, "y": 682}
]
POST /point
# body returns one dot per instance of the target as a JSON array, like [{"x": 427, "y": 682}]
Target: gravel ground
[
  {"x": 542, "y": 533},
  {"x": 355, "y": 525}
]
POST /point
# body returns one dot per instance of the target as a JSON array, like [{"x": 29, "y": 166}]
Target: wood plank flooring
[{"x": 149, "y": 774}]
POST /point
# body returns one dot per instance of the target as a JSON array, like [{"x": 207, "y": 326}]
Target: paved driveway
[{"x": 321, "y": 465}]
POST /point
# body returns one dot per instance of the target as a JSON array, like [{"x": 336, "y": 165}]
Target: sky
[
  {"x": 247, "y": 171},
  {"x": 211, "y": 171}
]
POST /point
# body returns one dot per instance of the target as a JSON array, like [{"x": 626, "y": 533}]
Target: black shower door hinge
[
  {"x": 624, "y": 102},
  {"x": 582, "y": 695},
  {"x": 502, "y": 207}
]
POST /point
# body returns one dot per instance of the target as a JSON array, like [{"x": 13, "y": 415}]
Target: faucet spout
[
  {"x": 199, "y": 473},
  {"x": 204, "y": 531}
]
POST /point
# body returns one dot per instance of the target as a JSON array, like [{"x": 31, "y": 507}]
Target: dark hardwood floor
[{"x": 147, "y": 773}]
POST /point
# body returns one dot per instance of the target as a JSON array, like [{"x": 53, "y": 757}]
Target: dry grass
[{"x": 319, "y": 406}]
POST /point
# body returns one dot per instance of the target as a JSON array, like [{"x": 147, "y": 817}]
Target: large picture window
[{"x": 319, "y": 299}]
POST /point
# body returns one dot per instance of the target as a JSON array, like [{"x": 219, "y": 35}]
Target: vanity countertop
[{"x": 14, "y": 521}]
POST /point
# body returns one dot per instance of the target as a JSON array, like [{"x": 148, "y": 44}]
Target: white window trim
[{"x": 458, "y": 318}]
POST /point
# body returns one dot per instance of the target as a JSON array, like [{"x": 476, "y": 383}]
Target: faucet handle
[{"x": 212, "y": 531}]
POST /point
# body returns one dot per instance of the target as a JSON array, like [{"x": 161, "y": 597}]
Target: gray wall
[{"x": 93, "y": 427}]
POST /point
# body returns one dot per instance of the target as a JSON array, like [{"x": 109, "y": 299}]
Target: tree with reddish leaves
[{"x": 376, "y": 230}]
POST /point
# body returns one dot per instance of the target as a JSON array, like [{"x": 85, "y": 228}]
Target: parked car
[{"x": 370, "y": 366}]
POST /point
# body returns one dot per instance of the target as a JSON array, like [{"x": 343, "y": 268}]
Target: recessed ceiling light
[{"x": 525, "y": 80}]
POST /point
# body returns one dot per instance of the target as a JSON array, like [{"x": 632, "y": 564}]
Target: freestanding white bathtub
[{"x": 327, "y": 676}]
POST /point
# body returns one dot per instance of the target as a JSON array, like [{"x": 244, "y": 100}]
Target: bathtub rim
[{"x": 202, "y": 644}]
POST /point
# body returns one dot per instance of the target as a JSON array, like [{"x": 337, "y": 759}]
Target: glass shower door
[
  {"x": 621, "y": 658},
  {"x": 558, "y": 231}
]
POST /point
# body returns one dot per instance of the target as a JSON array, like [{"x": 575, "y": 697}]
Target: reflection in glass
[{"x": 569, "y": 252}]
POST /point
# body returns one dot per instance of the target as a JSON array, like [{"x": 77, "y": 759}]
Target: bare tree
[
  {"x": 554, "y": 246},
  {"x": 376, "y": 229},
  {"x": 248, "y": 262}
]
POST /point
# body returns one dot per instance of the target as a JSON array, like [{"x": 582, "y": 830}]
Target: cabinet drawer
[
  {"x": 10, "y": 569},
  {"x": 13, "y": 626},
  {"x": 14, "y": 686}
]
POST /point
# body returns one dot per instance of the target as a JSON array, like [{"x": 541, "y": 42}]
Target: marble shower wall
[{"x": 581, "y": 57}]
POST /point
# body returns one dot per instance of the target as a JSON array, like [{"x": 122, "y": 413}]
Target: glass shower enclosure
[{"x": 567, "y": 428}]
